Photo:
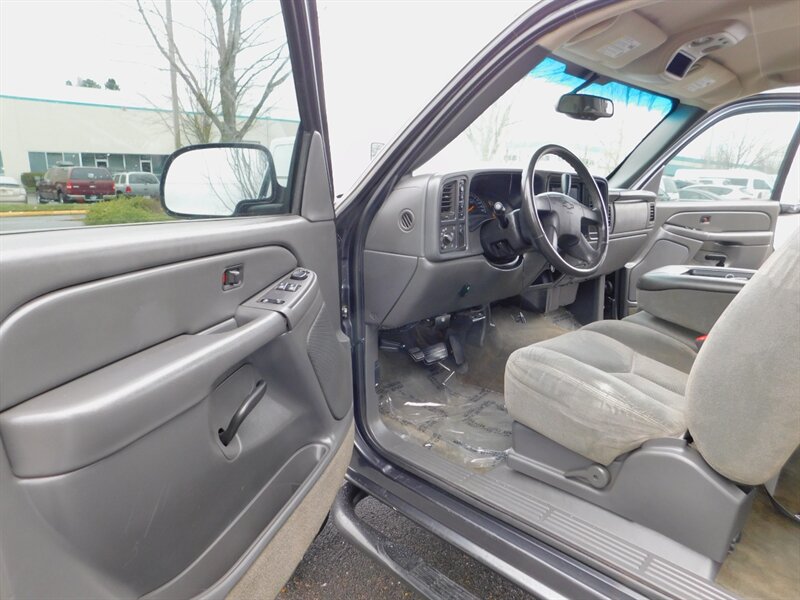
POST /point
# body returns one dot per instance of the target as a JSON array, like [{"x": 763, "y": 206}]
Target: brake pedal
[
  {"x": 416, "y": 354},
  {"x": 435, "y": 353}
]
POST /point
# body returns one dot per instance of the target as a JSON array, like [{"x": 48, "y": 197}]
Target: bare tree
[
  {"x": 189, "y": 120},
  {"x": 485, "y": 134},
  {"x": 229, "y": 40},
  {"x": 173, "y": 77},
  {"x": 745, "y": 151},
  {"x": 197, "y": 126}
]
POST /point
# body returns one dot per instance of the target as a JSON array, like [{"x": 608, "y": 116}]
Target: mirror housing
[
  {"x": 219, "y": 180},
  {"x": 585, "y": 107}
]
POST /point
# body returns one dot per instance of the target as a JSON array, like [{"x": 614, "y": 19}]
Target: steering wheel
[{"x": 558, "y": 224}]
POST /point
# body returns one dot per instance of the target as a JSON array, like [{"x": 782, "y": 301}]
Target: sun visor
[{"x": 618, "y": 41}]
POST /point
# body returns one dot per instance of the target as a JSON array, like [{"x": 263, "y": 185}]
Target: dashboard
[
  {"x": 469, "y": 200},
  {"x": 424, "y": 254}
]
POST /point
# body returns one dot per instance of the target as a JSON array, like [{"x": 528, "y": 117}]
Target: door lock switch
[{"x": 272, "y": 301}]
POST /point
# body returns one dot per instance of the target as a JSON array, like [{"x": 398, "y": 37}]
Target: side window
[
  {"x": 73, "y": 129},
  {"x": 737, "y": 158},
  {"x": 790, "y": 194}
]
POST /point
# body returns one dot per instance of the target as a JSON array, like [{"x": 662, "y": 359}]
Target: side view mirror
[
  {"x": 585, "y": 107},
  {"x": 218, "y": 180}
]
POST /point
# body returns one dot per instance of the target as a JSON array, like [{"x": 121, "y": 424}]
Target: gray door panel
[
  {"x": 121, "y": 359},
  {"x": 738, "y": 233}
]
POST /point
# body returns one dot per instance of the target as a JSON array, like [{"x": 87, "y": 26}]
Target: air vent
[
  {"x": 652, "y": 216},
  {"x": 406, "y": 220},
  {"x": 448, "y": 200}
]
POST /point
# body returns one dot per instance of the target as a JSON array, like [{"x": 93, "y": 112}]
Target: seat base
[{"x": 664, "y": 485}]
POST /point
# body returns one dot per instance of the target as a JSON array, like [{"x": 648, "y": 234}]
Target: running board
[{"x": 399, "y": 559}]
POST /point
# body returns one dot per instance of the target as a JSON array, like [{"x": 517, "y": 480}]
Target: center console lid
[{"x": 689, "y": 295}]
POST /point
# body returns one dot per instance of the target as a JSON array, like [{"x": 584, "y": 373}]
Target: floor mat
[
  {"x": 461, "y": 415},
  {"x": 513, "y": 328},
  {"x": 765, "y": 564},
  {"x": 434, "y": 408}
]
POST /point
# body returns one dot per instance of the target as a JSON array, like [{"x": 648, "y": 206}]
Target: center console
[{"x": 690, "y": 296}]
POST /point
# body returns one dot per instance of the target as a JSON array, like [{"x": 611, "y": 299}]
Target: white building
[{"x": 97, "y": 127}]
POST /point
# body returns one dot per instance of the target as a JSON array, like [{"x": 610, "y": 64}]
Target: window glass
[
  {"x": 115, "y": 162},
  {"x": 64, "y": 114},
  {"x": 525, "y": 119},
  {"x": 790, "y": 194},
  {"x": 132, "y": 163},
  {"x": 142, "y": 178},
  {"x": 89, "y": 173},
  {"x": 737, "y": 158},
  {"x": 37, "y": 162},
  {"x": 760, "y": 184}
]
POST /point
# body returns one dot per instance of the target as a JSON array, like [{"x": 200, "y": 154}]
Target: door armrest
[{"x": 689, "y": 295}]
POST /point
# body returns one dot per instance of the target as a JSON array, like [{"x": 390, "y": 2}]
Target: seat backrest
[{"x": 744, "y": 388}]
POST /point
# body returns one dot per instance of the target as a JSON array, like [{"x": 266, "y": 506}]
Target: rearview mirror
[
  {"x": 585, "y": 107},
  {"x": 218, "y": 180}
]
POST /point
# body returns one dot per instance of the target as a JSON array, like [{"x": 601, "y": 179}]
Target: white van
[{"x": 756, "y": 183}]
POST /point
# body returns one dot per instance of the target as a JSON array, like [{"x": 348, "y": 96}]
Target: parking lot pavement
[
  {"x": 333, "y": 569},
  {"x": 44, "y": 222}
]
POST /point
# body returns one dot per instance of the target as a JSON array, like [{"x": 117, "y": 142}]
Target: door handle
[{"x": 226, "y": 435}]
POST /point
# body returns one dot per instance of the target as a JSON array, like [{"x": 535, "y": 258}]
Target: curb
[{"x": 41, "y": 213}]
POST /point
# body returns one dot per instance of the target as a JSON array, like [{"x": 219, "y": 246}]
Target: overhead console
[{"x": 692, "y": 51}]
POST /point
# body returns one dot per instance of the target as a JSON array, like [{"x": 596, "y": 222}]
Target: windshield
[{"x": 525, "y": 118}]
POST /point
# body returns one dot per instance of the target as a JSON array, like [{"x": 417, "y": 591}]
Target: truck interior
[{"x": 612, "y": 370}]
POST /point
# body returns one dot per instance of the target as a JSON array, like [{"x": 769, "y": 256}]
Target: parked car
[
  {"x": 12, "y": 190},
  {"x": 667, "y": 189},
  {"x": 757, "y": 184},
  {"x": 75, "y": 184},
  {"x": 137, "y": 183},
  {"x": 692, "y": 193},
  {"x": 722, "y": 192}
]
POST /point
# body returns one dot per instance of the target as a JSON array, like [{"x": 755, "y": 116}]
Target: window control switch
[
  {"x": 272, "y": 301},
  {"x": 288, "y": 286}
]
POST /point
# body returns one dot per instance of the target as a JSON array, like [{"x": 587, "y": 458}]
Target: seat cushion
[{"x": 603, "y": 390}]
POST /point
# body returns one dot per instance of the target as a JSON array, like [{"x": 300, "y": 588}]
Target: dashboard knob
[{"x": 447, "y": 239}]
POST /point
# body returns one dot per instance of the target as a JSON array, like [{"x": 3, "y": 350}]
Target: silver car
[
  {"x": 11, "y": 190},
  {"x": 137, "y": 184}
]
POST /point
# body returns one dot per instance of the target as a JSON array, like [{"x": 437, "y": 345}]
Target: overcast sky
[{"x": 382, "y": 60}]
